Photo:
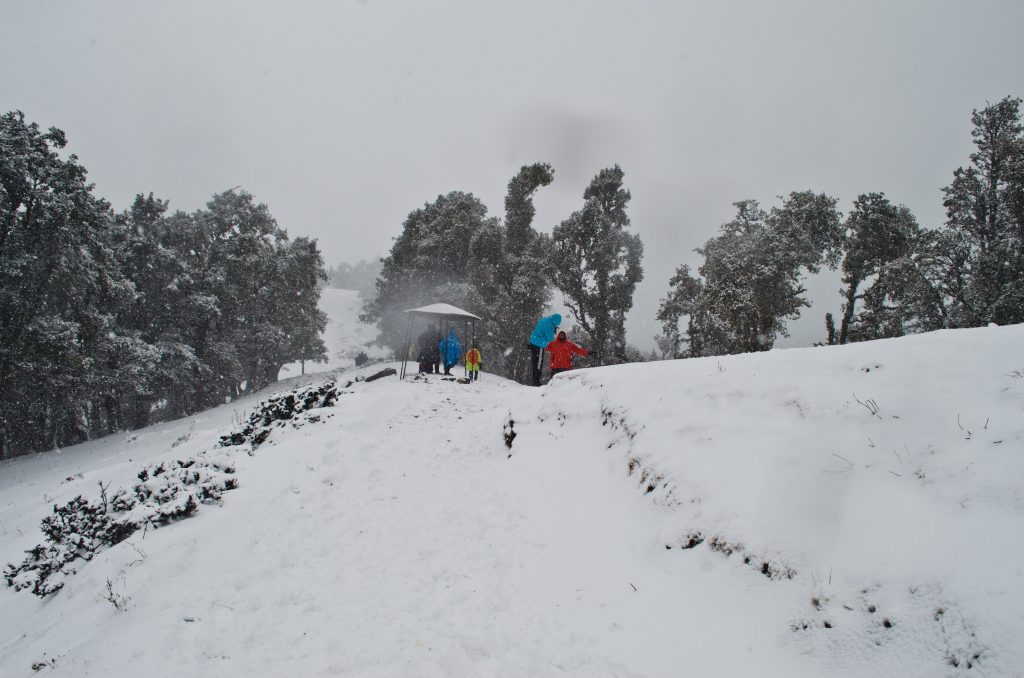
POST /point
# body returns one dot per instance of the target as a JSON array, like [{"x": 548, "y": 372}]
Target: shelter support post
[{"x": 405, "y": 349}]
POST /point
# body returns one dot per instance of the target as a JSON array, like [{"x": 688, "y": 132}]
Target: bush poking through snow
[
  {"x": 119, "y": 601},
  {"x": 508, "y": 432},
  {"x": 276, "y": 411},
  {"x": 44, "y": 663},
  {"x": 164, "y": 493}
]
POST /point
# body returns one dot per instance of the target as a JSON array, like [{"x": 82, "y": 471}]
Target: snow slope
[
  {"x": 719, "y": 517},
  {"x": 345, "y": 337}
]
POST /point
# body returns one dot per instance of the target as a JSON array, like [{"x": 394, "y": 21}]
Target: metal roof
[{"x": 445, "y": 310}]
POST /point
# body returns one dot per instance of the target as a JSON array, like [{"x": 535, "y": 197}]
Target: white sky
[{"x": 345, "y": 116}]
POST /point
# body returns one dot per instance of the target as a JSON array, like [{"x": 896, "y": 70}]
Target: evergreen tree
[
  {"x": 266, "y": 290},
  {"x": 878, "y": 241},
  {"x": 107, "y": 322},
  {"x": 159, "y": 315},
  {"x": 440, "y": 256},
  {"x": 750, "y": 281},
  {"x": 361, "y": 276},
  {"x": 683, "y": 291},
  {"x": 57, "y": 285},
  {"x": 300, "y": 272},
  {"x": 520, "y": 285},
  {"x": 596, "y": 265},
  {"x": 985, "y": 221}
]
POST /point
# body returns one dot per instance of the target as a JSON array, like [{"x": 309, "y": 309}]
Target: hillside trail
[
  {"x": 382, "y": 542},
  {"x": 404, "y": 540}
]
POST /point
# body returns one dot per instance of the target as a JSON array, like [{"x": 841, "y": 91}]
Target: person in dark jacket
[
  {"x": 542, "y": 335},
  {"x": 562, "y": 350},
  {"x": 425, "y": 350},
  {"x": 435, "y": 354}
]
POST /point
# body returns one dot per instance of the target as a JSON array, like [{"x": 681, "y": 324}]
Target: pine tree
[{"x": 596, "y": 265}]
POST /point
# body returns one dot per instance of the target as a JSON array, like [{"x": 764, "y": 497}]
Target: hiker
[
  {"x": 542, "y": 335},
  {"x": 450, "y": 351},
  {"x": 435, "y": 354},
  {"x": 561, "y": 353},
  {"x": 425, "y": 350},
  {"x": 473, "y": 363}
]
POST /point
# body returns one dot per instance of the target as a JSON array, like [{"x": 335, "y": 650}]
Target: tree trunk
[{"x": 848, "y": 307}]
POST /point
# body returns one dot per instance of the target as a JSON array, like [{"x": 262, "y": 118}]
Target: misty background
[{"x": 345, "y": 116}]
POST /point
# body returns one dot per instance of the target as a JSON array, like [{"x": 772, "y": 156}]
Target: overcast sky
[{"x": 344, "y": 116}]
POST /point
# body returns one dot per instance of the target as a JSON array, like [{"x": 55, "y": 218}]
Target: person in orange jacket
[
  {"x": 561, "y": 350},
  {"x": 473, "y": 363}
]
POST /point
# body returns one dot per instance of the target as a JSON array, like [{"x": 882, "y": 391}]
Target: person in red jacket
[{"x": 561, "y": 350}]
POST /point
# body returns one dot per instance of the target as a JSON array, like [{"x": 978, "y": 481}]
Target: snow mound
[{"x": 882, "y": 483}]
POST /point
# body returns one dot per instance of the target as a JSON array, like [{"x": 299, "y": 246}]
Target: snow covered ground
[{"x": 853, "y": 511}]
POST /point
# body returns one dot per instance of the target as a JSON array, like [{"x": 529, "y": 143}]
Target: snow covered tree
[
  {"x": 57, "y": 284},
  {"x": 158, "y": 315},
  {"x": 437, "y": 258},
  {"x": 361, "y": 276},
  {"x": 595, "y": 263},
  {"x": 520, "y": 282},
  {"x": 451, "y": 251},
  {"x": 750, "y": 281},
  {"x": 879, "y": 240},
  {"x": 106, "y": 319},
  {"x": 683, "y": 291},
  {"x": 985, "y": 220},
  {"x": 266, "y": 292},
  {"x": 300, "y": 272}
]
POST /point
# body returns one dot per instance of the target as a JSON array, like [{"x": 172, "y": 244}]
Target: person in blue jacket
[
  {"x": 450, "y": 350},
  {"x": 543, "y": 334}
]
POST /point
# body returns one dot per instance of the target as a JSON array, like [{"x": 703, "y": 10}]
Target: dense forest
[{"x": 112, "y": 321}]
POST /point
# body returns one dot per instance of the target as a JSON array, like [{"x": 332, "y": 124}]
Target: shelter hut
[{"x": 441, "y": 316}]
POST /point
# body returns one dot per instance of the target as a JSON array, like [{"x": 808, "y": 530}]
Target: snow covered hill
[{"x": 851, "y": 511}]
